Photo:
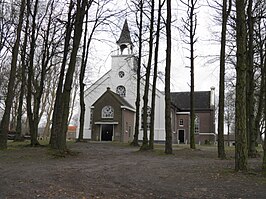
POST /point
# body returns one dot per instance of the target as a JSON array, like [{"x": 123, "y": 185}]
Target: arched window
[
  {"x": 121, "y": 91},
  {"x": 122, "y": 48},
  {"x": 108, "y": 112}
]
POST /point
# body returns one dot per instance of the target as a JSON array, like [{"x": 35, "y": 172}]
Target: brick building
[
  {"x": 204, "y": 116},
  {"x": 112, "y": 118}
]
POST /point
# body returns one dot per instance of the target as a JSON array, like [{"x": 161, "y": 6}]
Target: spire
[
  {"x": 125, "y": 35},
  {"x": 124, "y": 42}
]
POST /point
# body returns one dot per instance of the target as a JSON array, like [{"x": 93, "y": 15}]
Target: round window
[{"x": 121, "y": 74}]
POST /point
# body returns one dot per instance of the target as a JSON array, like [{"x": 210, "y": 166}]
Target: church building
[
  {"x": 110, "y": 102},
  {"x": 119, "y": 82}
]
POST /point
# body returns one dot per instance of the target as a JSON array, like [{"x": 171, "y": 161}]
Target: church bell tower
[
  {"x": 124, "y": 61},
  {"x": 124, "y": 43}
]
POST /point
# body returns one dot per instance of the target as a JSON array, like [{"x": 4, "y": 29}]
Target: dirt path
[{"x": 107, "y": 170}]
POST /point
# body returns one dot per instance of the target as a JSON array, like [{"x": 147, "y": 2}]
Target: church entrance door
[
  {"x": 107, "y": 132},
  {"x": 181, "y": 136}
]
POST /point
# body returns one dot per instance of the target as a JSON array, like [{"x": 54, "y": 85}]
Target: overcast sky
[{"x": 206, "y": 49}]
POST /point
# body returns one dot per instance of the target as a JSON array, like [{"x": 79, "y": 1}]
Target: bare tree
[
  {"x": 102, "y": 15},
  {"x": 260, "y": 40},
  {"x": 264, "y": 144},
  {"x": 225, "y": 15},
  {"x": 7, "y": 26},
  {"x": 85, "y": 51},
  {"x": 4, "y": 126},
  {"x": 57, "y": 112},
  {"x": 23, "y": 80},
  {"x": 250, "y": 84},
  {"x": 241, "y": 69},
  {"x": 145, "y": 145},
  {"x": 155, "y": 70},
  {"x": 168, "y": 126},
  {"x": 31, "y": 112},
  {"x": 137, "y": 103},
  {"x": 61, "y": 110},
  {"x": 36, "y": 85},
  {"x": 190, "y": 25}
]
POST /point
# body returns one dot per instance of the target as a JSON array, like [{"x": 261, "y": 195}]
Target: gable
[{"x": 114, "y": 98}]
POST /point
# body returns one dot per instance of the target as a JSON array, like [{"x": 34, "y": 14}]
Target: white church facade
[{"x": 122, "y": 80}]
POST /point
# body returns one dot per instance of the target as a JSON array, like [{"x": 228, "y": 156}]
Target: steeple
[{"x": 124, "y": 40}]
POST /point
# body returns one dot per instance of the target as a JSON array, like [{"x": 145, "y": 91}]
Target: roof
[
  {"x": 182, "y": 100},
  {"x": 72, "y": 128},
  {"x": 125, "y": 35},
  {"x": 122, "y": 101},
  {"x": 97, "y": 82}
]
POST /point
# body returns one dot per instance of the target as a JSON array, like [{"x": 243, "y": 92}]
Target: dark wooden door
[
  {"x": 107, "y": 132},
  {"x": 181, "y": 136}
]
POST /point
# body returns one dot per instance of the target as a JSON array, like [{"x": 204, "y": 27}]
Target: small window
[
  {"x": 181, "y": 122},
  {"x": 108, "y": 112},
  {"x": 121, "y": 74},
  {"x": 121, "y": 91}
]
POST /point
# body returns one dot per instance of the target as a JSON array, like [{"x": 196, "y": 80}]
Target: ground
[{"x": 112, "y": 170}]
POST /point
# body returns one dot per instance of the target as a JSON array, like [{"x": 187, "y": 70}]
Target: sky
[{"x": 206, "y": 49}]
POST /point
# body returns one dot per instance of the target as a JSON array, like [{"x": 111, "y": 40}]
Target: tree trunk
[
  {"x": 23, "y": 81},
  {"x": 57, "y": 114},
  {"x": 261, "y": 100},
  {"x": 241, "y": 68},
  {"x": 137, "y": 103},
  {"x": 4, "y": 126},
  {"x": 252, "y": 152},
  {"x": 81, "y": 83},
  {"x": 61, "y": 133},
  {"x": 153, "y": 100},
  {"x": 192, "y": 29},
  {"x": 39, "y": 86},
  {"x": 192, "y": 111},
  {"x": 264, "y": 144},
  {"x": 147, "y": 83},
  {"x": 221, "y": 151},
  {"x": 31, "y": 113},
  {"x": 85, "y": 54},
  {"x": 168, "y": 127}
]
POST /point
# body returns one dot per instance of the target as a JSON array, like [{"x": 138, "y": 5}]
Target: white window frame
[
  {"x": 181, "y": 122},
  {"x": 121, "y": 91},
  {"x": 107, "y": 112}
]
